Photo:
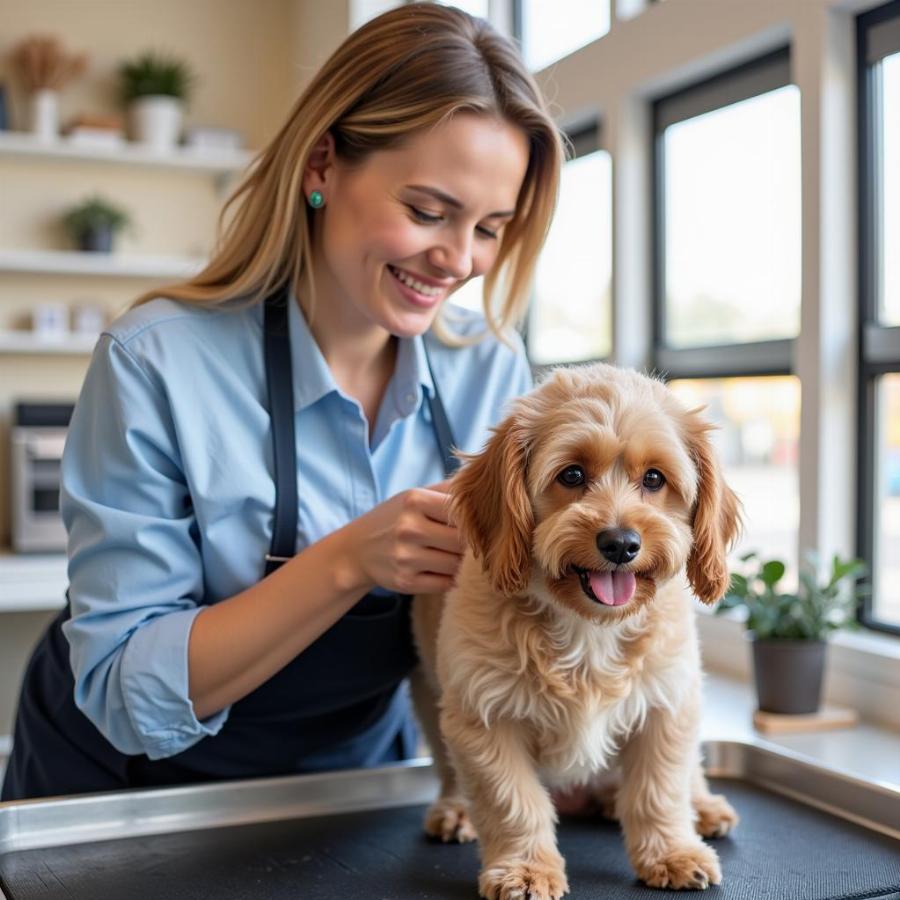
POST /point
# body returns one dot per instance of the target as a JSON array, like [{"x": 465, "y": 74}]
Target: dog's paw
[
  {"x": 523, "y": 880},
  {"x": 688, "y": 868},
  {"x": 715, "y": 816},
  {"x": 448, "y": 820}
]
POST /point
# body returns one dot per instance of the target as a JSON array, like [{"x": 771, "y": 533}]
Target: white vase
[
  {"x": 44, "y": 114},
  {"x": 156, "y": 122}
]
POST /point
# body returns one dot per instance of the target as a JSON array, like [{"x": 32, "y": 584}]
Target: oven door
[{"x": 36, "y": 459}]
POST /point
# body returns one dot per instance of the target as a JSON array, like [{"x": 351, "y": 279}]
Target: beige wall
[{"x": 239, "y": 50}]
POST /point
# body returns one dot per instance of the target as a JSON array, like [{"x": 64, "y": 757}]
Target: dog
[{"x": 566, "y": 653}]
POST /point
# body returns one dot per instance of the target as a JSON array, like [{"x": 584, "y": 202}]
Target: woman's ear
[
  {"x": 493, "y": 510},
  {"x": 319, "y": 166},
  {"x": 716, "y": 519}
]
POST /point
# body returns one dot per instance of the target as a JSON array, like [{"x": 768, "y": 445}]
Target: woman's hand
[{"x": 406, "y": 544}]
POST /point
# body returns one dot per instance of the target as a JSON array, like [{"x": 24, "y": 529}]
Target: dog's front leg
[
  {"x": 511, "y": 809},
  {"x": 654, "y": 803}
]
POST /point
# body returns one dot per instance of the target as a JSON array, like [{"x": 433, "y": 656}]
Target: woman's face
[{"x": 408, "y": 226}]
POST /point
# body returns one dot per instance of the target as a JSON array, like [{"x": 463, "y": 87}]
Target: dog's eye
[
  {"x": 653, "y": 479},
  {"x": 571, "y": 476}
]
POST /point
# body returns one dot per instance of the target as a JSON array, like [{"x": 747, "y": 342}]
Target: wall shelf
[
  {"x": 32, "y": 582},
  {"x": 30, "y": 344},
  {"x": 21, "y": 145},
  {"x": 117, "y": 265}
]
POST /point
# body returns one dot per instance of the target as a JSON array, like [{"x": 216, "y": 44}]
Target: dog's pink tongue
[{"x": 612, "y": 588}]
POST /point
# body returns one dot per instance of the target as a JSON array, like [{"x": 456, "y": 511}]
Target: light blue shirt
[{"x": 168, "y": 494}]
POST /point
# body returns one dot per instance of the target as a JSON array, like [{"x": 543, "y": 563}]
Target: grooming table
[{"x": 806, "y": 833}]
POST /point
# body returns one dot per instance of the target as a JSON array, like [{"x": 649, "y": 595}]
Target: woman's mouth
[{"x": 418, "y": 292}]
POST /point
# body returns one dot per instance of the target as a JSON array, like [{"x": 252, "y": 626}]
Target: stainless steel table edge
[
  {"x": 55, "y": 822},
  {"x": 872, "y": 804},
  {"x": 51, "y": 822}
]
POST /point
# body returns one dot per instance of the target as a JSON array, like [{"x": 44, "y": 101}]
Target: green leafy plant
[
  {"x": 818, "y": 606},
  {"x": 154, "y": 74},
  {"x": 95, "y": 213}
]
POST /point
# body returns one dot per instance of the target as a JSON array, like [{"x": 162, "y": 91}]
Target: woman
[{"x": 242, "y": 483}]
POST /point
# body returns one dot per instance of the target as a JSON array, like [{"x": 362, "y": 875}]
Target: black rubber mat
[{"x": 781, "y": 851}]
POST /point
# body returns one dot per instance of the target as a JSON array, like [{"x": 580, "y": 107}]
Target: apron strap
[
  {"x": 281, "y": 409},
  {"x": 279, "y": 382},
  {"x": 441, "y": 424}
]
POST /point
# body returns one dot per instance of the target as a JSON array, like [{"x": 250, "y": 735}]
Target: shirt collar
[
  {"x": 412, "y": 364},
  {"x": 310, "y": 373},
  {"x": 312, "y": 378}
]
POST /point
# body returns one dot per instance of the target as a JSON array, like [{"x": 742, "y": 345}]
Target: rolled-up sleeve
[{"x": 135, "y": 566}]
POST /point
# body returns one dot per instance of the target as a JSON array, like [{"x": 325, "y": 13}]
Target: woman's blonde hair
[{"x": 406, "y": 70}]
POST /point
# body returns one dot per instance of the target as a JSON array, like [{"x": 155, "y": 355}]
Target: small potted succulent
[
  {"x": 94, "y": 223},
  {"x": 155, "y": 90},
  {"x": 789, "y": 628}
]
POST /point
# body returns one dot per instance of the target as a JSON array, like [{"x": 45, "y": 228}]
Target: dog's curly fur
[{"x": 542, "y": 684}]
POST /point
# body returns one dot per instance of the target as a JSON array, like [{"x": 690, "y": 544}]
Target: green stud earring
[{"x": 316, "y": 200}]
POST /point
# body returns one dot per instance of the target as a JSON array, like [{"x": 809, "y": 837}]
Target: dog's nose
[{"x": 619, "y": 545}]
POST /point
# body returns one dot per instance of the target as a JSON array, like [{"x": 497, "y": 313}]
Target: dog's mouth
[{"x": 611, "y": 588}]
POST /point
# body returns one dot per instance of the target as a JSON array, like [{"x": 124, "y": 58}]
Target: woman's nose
[{"x": 453, "y": 256}]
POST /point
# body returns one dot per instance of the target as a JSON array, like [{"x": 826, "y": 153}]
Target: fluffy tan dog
[{"x": 567, "y": 654}]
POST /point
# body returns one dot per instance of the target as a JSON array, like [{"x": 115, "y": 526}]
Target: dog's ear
[
  {"x": 716, "y": 519},
  {"x": 492, "y": 508}
]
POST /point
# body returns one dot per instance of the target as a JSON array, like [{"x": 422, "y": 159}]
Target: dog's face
[{"x": 598, "y": 487}]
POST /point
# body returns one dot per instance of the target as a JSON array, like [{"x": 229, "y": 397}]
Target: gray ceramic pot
[
  {"x": 96, "y": 240},
  {"x": 789, "y": 675}
]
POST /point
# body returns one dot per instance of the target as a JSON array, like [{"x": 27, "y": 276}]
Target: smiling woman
[{"x": 254, "y": 479}]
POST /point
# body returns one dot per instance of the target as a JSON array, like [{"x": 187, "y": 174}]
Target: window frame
[
  {"x": 877, "y": 36},
  {"x": 759, "y": 358}
]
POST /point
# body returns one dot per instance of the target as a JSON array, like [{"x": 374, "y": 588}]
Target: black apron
[{"x": 340, "y": 703}]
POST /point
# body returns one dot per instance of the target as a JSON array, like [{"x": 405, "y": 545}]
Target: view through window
[
  {"x": 732, "y": 222},
  {"x": 553, "y": 30},
  {"x": 757, "y": 439},
  {"x": 571, "y": 310}
]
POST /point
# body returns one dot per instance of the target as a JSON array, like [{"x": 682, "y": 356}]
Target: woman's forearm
[{"x": 239, "y": 643}]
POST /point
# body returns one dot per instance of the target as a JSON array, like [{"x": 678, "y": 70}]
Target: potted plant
[
  {"x": 789, "y": 628},
  {"x": 46, "y": 68},
  {"x": 155, "y": 89},
  {"x": 94, "y": 223}
]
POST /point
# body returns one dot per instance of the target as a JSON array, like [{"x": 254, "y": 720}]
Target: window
[
  {"x": 570, "y": 319},
  {"x": 878, "y": 528},
  {"x": 549, "y": 31},
  {"x": 890, "y": 262},
  {"x": 757, "y": 440},
  {"x": 727, "y": 279},
  {"x": 732, "y": 220},
  {"x": 472, "y": 7}
]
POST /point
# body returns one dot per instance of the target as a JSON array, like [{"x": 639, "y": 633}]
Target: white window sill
[
  {"x": 862, "y": 668},
  {"x": 866, "y": 751}
]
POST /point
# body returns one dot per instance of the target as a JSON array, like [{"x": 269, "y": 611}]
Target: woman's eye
[
  {"x": 423, "y": 216},
  {"x": 571, "y": 476},
  {"x": 653, "y": 479},
  {"x": 487, "y": 232}
]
